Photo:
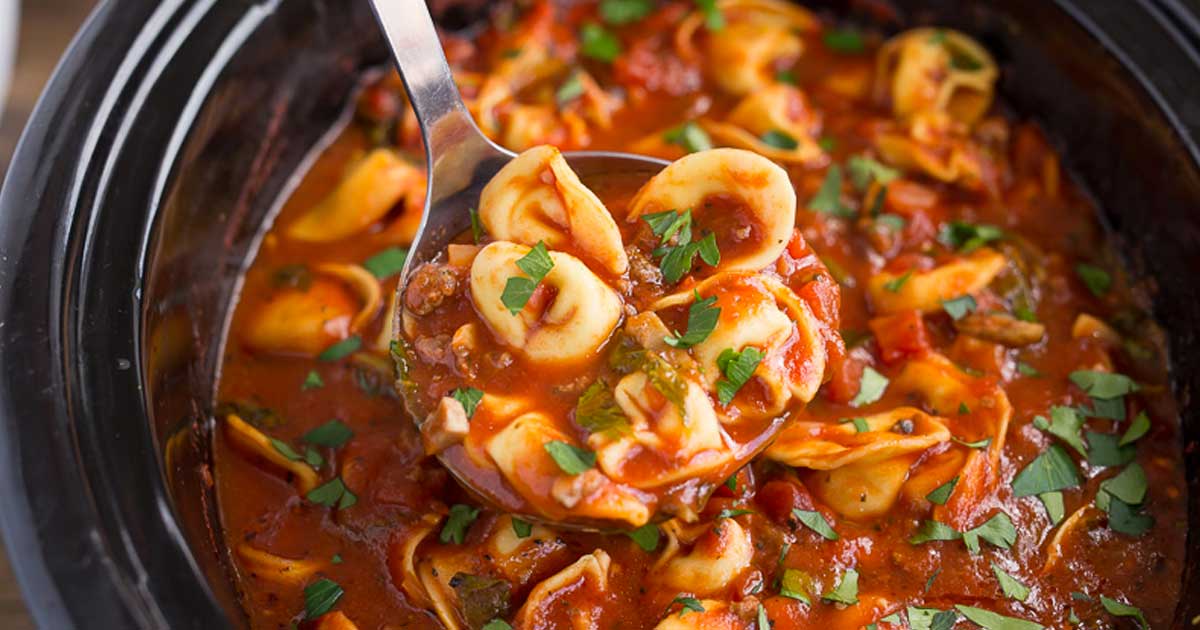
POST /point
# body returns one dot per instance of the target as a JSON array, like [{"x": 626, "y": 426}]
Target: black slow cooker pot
[{"x": 167, "y": 139}]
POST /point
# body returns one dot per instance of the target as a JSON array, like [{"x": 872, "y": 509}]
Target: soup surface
[{"x": 957, "y": 415}]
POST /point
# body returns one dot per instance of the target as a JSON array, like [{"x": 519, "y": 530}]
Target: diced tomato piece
[
  {"x": 900, "y": 335},
  {"x": 780, "y": 496}
]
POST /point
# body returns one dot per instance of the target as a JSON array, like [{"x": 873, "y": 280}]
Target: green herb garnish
[
  {"x": 645, "y": 537},
  {"x": 332, "y": 493},
  {"x": 341, "y": 349},
  {"x": 570, "y": 458},
  {"x": 1097, "y": 280},
  {"x": 779, "y": 140},
  {"x": 386, "y": 263},
  {"x": 702, "y": 319},
  {"x": 458, "y": 521},
  {"x": 846, "y": 592},
  {"x": 469, "y": 397},
  {"x": 320, "y": 597},
  {"x": 870, "y": 388},
  {"x": 517, "y": 291},
  {"x": 618, "y": 12},
  {"x": 737, "y": 367},
  {"x": 828, "y": 199},
  {"x": 332, "y": 434},
  {"x": 597, "y": 410},
  {"x": 941, "y": 494},
  {"x": 1050, "y": 471},
  {"x": 598, "y": 43},
  {"x": 815, "y": 521},
  {"x": 959, "y": 306}
]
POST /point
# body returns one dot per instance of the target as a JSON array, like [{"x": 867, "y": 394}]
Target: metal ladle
[{"x": 461, "y": 159}]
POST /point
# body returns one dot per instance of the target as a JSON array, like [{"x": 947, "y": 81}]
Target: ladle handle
[{"x": 446, "y": 125}]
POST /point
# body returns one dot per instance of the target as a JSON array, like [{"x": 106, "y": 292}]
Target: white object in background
[{"x": 9, "y": 22}]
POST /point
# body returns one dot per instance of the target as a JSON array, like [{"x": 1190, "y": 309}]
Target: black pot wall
[{"x": 168, "y": 136}]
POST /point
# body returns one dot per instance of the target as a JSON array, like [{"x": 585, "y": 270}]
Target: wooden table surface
[{"x": 46, "y": 29}]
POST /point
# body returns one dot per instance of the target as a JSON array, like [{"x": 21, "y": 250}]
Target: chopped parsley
[
  {"x": 959, "y": 307},
  {"x": 1053, "y": 502},
  {"x": 931, "y": 530},
  {"x": 469, "y": 397},
  {"x": 793, "y": 585},
  {"x": 597, "y": 411},
  {"x": 1064, "y": 422},
  {"x": 570, "y": 90},
  {"x": 517, "y": 291},
  {"x": 737, "y": 368},
  {"x": 598, "y": 43},
  {"x": 477, "y": 232},
  {"x": 789, "y": 78},
  {"x": 1027, "y": 370},
  {"x": 570, "y": 458},
  {"x": 980, "y": 444},
  {"x": 1121, "y": 609},
  {"x": 870, "y": 388},
  {"x": 333, "y": 493},
  {"x": 863, "y": 170},
  {"x": 386, "y": 263},
  {"x": 998, "y": 531},
  {"x": 702, "y": 319},
  {"x": 458, "y": 521},
  {"x": 815, "y": 521},
  {"x": 1138, "y": 428},
  {"x": 341, "y": 349},
  {"x": 714, "y": 20},
  {"x": 619, "y": 12},
  {"x": 496, "y": 624},
  {"x": 320, "y": 597},
  {"x": 1097, "y": 280},
  {"x": 844, "y": 40},
  {"x": 1103, "y": 385},
  {"x": 690, "y": 136},
  {"x": 312, "y": 381},
  {"x": 732, "y": 513},
  {"x": 678, "y": 259},
  {"x": 779, "y": 140},
  {"x": 995, "y": 621},
  {"x": 846, "y": 592},
  {"x": 285, "y": 449},
  {"x": 687, "y": 604},
  {"x": 332, "y": 434},
  {"x": 1106, "y": 451},
  {"x": 828, "y": 199},
  {"x": 860, "y": 424},
  {"x": 1009, "y": 585},
  {"x": 645, "y": 537},
  {"x": 927, "y": 618},
  {"x": 941, "y": 494},
  {"x": 1050, "y": 471},
  {"x": 895, "y": 284},
  {"x": 968, "y": 237},
  {"x": 521, "y": 528}
]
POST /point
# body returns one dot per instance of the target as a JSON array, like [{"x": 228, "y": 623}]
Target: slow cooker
[{"x": 169, "y": 135}]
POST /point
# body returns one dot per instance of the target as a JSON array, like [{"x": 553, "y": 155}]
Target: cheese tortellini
[
  {"x": 775, "y": 109},
  {"x": 755, "y": 230},
  {"x": 329, "y": 303},
  {"x": 758, "y": 311},
  {"x": 368, "y": 192},
  {"x": 936, "y": 69},
  {"x": 757, "y": 35},
  {"x": 567, "y": 326},
  {"x": 537, "y": 197},
  {"x": 926, "y": 290}
]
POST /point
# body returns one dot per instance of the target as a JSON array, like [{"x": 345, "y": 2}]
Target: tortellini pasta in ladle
[{"x": 554, "y": 378}]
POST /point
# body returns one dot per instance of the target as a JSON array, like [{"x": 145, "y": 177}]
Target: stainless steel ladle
[{"x": 461, "y": 159}]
